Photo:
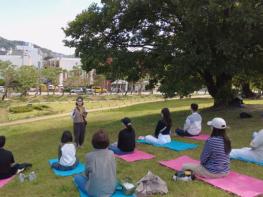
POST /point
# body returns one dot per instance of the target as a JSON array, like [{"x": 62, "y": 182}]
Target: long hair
[
  {"x": 167, "y": 117},
  {"x": 79, "y": 98},
  {"x": 222, "y": 132},
  {"x": 66, "y": 137}
]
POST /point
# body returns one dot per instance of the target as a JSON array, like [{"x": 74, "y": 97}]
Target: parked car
[
  {"x": 77, "y": 90},
  {"x": 89, "y": 91},
  {"x": 2, "y": 89},
  {"x": 98, "y": 89}
]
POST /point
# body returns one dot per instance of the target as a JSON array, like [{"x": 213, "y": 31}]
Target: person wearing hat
[
  {"x": 79, "y": 115},
  {"x": 214, "y": 160},
  {"x": 126, "y": 139},
  {"x": 253, "y": 153}
]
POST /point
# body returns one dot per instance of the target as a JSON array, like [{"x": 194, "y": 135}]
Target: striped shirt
[{"x": 214, "y": 158}]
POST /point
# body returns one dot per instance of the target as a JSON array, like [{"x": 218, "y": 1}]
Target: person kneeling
[
  {"x": 163, "y": 129},
  {"x": 99, "y": 179},
  {"x": 8, "y": 167},
  {"x": 214, "y": 160},
  {"x": 253, "y": 153},
  {"x": 193, "y": 123},
  {"x": 126, "y": 139},
  {"x": 66, "y": 153}
]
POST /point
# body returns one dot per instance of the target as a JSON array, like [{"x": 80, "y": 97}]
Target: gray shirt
[{"x": 101, "y": 173}]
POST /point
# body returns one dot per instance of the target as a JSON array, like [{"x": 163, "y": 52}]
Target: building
[
  {"x": 23, "y": 55},
  {"x": 68, "y": 65}
]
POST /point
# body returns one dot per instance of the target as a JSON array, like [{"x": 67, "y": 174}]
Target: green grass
[
  {"x": 37, "y": 142},
  {"x": 64, "y": 104}
]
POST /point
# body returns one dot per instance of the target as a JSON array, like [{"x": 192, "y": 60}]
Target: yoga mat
[
  {"x": 135, "y": 156},
  {"x": 201, "y": 137},
  {"x": 3, "y": 182},
  {"x": 247, "y": 160},
  {"x": 241, "y": 185},
  {"x": 173, "y": 145},
  {"x": 78, "y": 170},
  {"x": 116, "y": 194}
]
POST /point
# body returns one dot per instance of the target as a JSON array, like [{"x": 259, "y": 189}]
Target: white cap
[{"x": 218, "y": 123}]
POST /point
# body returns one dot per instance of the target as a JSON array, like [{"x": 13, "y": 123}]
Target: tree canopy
[{"x": 182, "y": 44}]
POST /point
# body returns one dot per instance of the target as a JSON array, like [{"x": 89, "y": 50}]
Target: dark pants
[
  {"x": 58, "y": 166},
  {"x": 13, "y": 170},
  {"x": 182, "y": 132},
  {"x": 79, "y": 133}
]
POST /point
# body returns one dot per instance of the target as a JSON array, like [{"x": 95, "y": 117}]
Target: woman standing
[{"x": 79, "y": 115}]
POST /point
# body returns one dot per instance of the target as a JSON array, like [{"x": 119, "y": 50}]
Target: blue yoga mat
[
  {"x": 78, "y": 170},
  {"x": 246, "y": 160},
  {"x": 116, "y": 194},
  {"x": 173, "y": 145}
]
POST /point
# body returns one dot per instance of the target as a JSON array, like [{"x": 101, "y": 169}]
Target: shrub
[
  {"x": 40, "y": 107},
  {"x": 21, "y": 109}
]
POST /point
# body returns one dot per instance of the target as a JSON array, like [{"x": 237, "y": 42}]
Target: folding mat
[
  {"x": 117, "y": 193},
  {"x": 135, "y": 156},
  {"x": 247, "y": 160},
  {"x": 78, "y": 170},
  {"x": 235, "y": 183},
  {"x": 5, "y": 181},
  {"x": 202, "y": 137},
  {"x": 173, "y": 145}
]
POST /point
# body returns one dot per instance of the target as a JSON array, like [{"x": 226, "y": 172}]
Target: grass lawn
[
  {"x": 64, "y": 104},
  {"x": 37, "y": 142}
]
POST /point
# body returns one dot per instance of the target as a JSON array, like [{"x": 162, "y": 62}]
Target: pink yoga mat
[
  {"x": 5, "y": 181},
  {"x": 235, "y": 183},
  {"x": 135, "y": 156},
  {"x": 201, "y": 137}
]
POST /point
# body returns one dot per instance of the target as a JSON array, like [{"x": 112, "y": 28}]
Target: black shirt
[
  {"x": 6, "y": 159},
  {"x": 161, "y": 128},
  {"x": 126, "y": 140}
]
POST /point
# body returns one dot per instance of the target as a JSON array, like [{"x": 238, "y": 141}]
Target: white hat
[{"x": 218, "y": 123}]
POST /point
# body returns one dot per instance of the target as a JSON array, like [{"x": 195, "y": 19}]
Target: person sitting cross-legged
[
  {"x": 193, "y": 123},
  {"x": 99, "y": 179},
  {"x": 253, "y": 153},
  {"x": 126, "y": 139},
  {"x": 8, "y": 167},
  {"x": 66, "y": 153}
]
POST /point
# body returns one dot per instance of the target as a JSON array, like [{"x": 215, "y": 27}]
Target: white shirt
[
  {"x": 257, "y": 144},
  {"x": 68, "y": 154},
  {"x": 193, "y": 124}
]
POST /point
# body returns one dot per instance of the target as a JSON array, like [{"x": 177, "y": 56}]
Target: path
[{"x": 67, "y": 114}]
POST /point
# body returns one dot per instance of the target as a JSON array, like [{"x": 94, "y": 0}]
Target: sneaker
[{"x": 20, "y": 170}]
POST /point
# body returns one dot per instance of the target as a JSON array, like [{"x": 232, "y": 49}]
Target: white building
[
  {"x": 24, "y": 55},
  {"x": 67, "y": 64}
]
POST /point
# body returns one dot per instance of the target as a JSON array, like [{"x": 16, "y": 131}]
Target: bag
[
  {"x": 185, "y": 175},
  {"x": 150, "y": 185},
  {"x": 128, "y": 188},
  {"x": 245, "y": 115}
]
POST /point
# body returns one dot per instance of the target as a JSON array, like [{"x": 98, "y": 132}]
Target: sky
[{"x": 40, "y": 21}]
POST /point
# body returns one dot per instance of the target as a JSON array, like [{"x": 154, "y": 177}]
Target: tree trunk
[
  {"x": 5, "y": 94},
  {"x": 246, "y": 91},
  {"x": 220, "y": 88}
]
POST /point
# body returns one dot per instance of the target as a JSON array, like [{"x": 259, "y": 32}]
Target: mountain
[{"x": 11, "y": 44}]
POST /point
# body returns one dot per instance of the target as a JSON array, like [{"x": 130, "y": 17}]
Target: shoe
[{"x": 20, "y": 170}]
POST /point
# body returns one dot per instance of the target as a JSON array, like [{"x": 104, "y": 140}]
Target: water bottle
[
  {"x": 21, "y": 177},
  {"x": 32, "y": 176}
]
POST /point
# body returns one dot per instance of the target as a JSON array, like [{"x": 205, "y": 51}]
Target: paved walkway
[{"x": 23, "y": 121}]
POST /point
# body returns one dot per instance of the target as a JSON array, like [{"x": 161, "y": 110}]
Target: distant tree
[
  {"x": 9, "y": 76},
  {"x": 51, "y": 75},
  {"x": 27, "y": 77}
]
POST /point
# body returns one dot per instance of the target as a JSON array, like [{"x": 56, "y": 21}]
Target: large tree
[{"x": 180, "y": 43}]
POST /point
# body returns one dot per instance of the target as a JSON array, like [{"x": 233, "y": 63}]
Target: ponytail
[{"x": 222, "y": 133}]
